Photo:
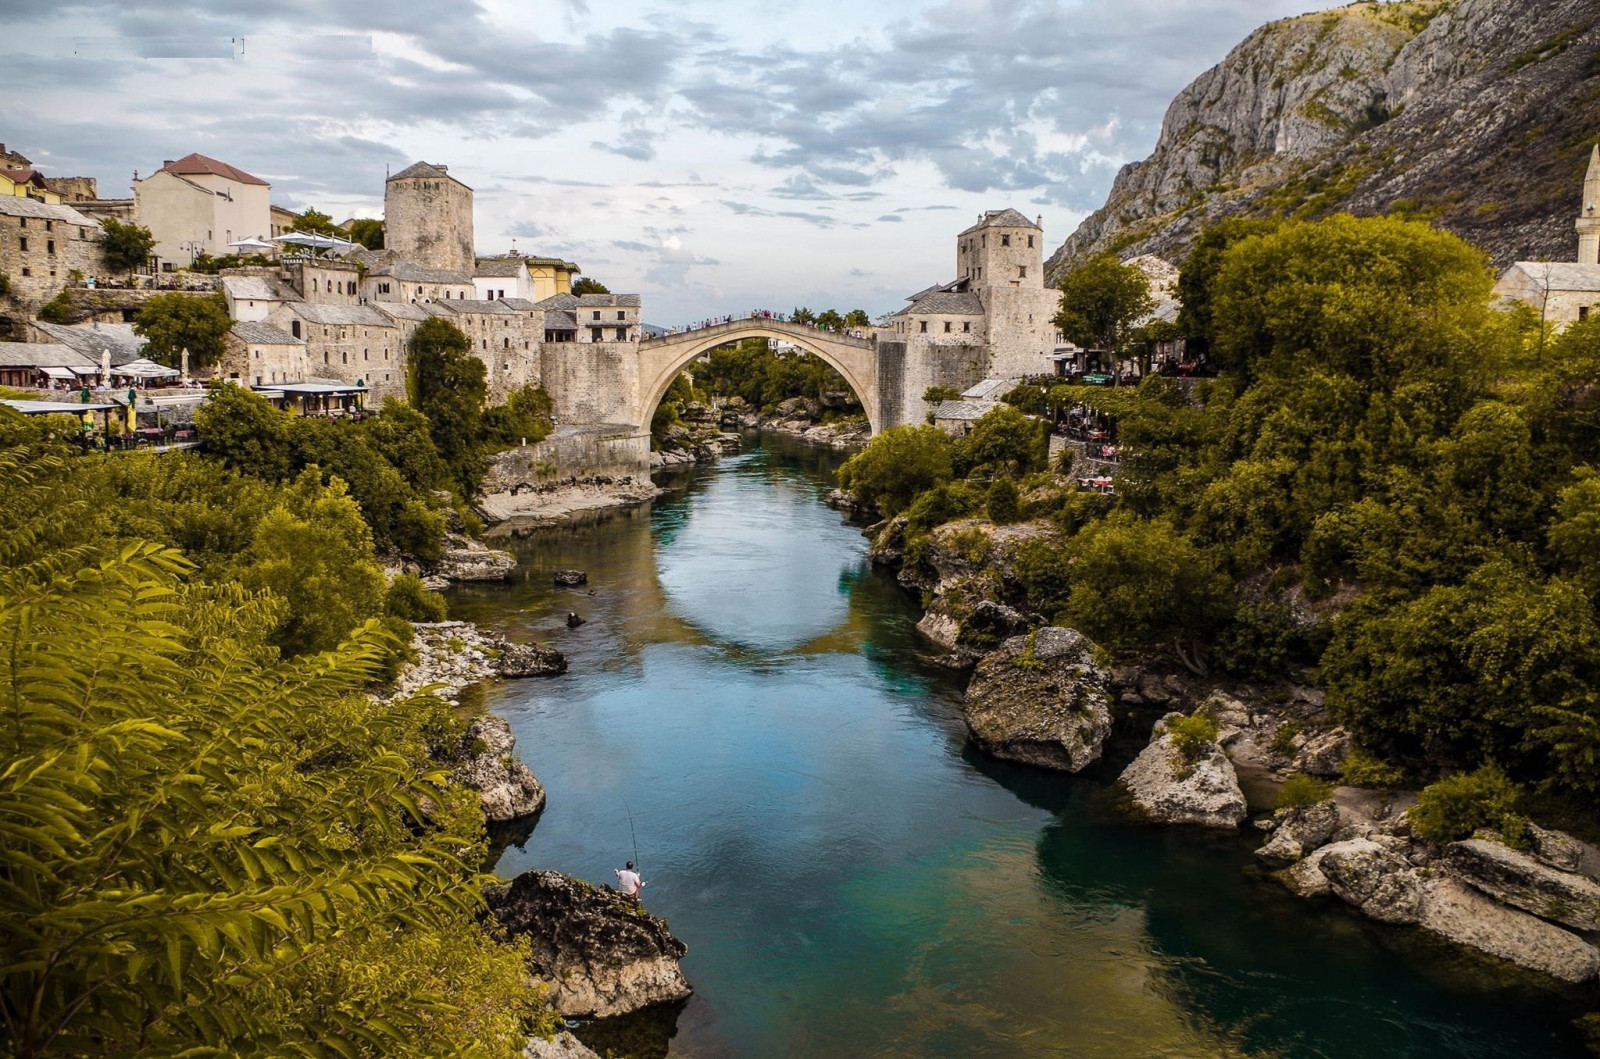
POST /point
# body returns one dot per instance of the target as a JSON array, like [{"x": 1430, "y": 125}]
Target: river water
[{"x": 852, "y": 879}]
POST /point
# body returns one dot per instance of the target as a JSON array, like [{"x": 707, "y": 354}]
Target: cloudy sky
[{"x": 714, "y": 155}]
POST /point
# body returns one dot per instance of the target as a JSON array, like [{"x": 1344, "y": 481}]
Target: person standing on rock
[{"x": 628, "y": 882}]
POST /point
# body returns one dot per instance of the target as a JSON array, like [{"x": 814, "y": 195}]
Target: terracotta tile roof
[{"x": 199, "y": 164}]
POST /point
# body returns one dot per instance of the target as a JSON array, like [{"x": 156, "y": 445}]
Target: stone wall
[
  {"x": 39, "y": 254},
  {"x": 934, "y": 364},
  {"x": 591, "y": 382},
  {"x": 571, "y": 452},
  {"x": 1021, "y": 330},
  {"x": 74, "y": 189}
]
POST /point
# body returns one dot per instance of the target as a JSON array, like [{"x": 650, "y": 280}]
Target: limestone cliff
[{"x": 1476, "y": 114}]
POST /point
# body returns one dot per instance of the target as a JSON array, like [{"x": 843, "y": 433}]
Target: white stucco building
[{"x": 196, "y": 205}]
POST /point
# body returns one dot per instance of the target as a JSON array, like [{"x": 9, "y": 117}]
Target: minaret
[{"x": 1589, "y": 219}]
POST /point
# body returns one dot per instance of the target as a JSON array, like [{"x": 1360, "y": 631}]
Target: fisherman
[{"x": 628, "y": 882}]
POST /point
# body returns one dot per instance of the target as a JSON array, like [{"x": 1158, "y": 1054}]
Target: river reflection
[{"x": 852, "y": 879}]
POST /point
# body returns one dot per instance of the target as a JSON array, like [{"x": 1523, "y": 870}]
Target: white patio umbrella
[
  {"x": 316, "y": 242},
  {"x": 253, "y": 244}
]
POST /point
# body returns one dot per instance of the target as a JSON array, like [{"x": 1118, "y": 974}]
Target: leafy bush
[
  {"x": 1283, "y": 739},
  {"x": 57, "y": 310},
  {"x": 1362, "y": 768},
  {"x": 1041, "y": 572},
  {"x": 1192, "y": 737},
  {"x": 408, "y": 598},
  {"x": 1300, "y": 791},
  {"x": 1004, "y": 503},
  {"x": 1454, "y": 808},
  {"x": 897, "y": 466},
  {"x": 1003, "y": 441}
]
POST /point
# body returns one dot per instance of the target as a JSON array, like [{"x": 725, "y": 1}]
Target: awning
[
  {"x": 253, "y": 244},
  {"x": 316, "y": 242},
  {"x": 59, "y": 373},
  {"x": 41, "y": 408}
]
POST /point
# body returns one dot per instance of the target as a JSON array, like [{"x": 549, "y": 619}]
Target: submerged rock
[
  {"x": 1041, "y": 700},
  {"x": 1456, "y": 911},
  {"x": 570, "y": 578},
  {"x": 600, "y": 953},
  {"x": 1170, "y": 790},
  {"x": 485, "y": 758},
  {"x": 1519, "y": 880}
]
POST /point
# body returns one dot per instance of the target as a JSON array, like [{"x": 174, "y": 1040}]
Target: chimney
[
  {"x": 166, "y": 162},
  {"x": 1038, "y": 222}
]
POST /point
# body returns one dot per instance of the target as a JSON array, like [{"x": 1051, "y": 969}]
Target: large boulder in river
[
  {"x": 968, "y": 629},
  {"x": 528, "y": 660},
  {"x": 1375, "y": 878},
  {"x": 600, "y": 953},
  {"x": 1040, "y": 699},
  {"x": 1170, "y": 787},
  {"x": 468, "y": 560},
  {"x": 562, "y": 1046},
  {"x": 1519, "y": 880},
  {"x": 1298, "y": 831},
  {"x": 485, "y": 760}
]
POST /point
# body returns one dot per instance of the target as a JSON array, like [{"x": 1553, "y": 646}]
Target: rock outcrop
[
  {"x": 570, "y": 578},
  {"x": 1455, "y": 911},
  {"x": 485, "y": 760},
  {"x": 967, "y": 567},
  {"x": 1371, "y": 109},
  {"x": 1516, "y": 879},
  {"x": 1300, "y": 831},
  {"x": 562, "y": 1046},
  {"x": 518, "y": 660},
  {"x": 469, "y": 560},
  {"x": 454, "y": 654},
  {"x": 1040, "y": 699},
  {"x": 1170, "y": 789},
  {"x": 599, "y": 953}
]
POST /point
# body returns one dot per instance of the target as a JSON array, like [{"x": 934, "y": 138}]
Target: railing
[{"x": 760, "y": 316}]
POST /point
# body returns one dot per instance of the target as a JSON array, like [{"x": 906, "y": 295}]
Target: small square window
[
  {"x": 1022, "y": 271},
  {"x": 947, "y": 327},
  {"x": 1030, "y": 242},
  {"x": 924, "y": 327},
  {"x": 966, "y": 325},
  {"x": 1005, "y": 240}
]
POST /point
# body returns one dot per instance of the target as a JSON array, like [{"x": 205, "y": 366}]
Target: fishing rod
[{"x": 632, "y": 834}]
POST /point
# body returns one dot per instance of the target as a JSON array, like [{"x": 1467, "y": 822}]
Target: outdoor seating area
[{"x": 327, "y": 399}]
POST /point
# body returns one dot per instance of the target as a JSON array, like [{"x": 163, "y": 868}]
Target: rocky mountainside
[{"x": 1475, "y": 114}]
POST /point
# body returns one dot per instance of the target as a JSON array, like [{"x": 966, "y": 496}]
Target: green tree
[
  {"x": 584, "y": 285},
  {"x": 1003, "y": 441},
  {"x": 402, "y": 435},
  {"x": 171, "y": 323},
  {"x": 245, "y": 432},
  {"x": 314, "y": 222},
  {"x": 1004, "y": 504},
  {"x": 1378, "y": 299},
  {"x": 400, "y": 520},
  {"x": 125, "y": 247},
  {"x": 830, "y": 319},
  {"x": 446, "y": 384},
  {"x": 368, "y": 231},
  {"x": 1101, "y": 300},
  {"x": 526, "y": 416},
  {"x": 1139, "y": 583},
  {"x": 1199, "y": 275},
  {"x": 857, "y": 318},
  {"x": 315, "y": 554},
  {"x": 938, "y": 394},
  {"x": 897, "y": 465},
  {"x": 409, "y": 599}
]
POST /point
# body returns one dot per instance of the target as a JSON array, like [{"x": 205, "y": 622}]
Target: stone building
[
  {"x": 994, "y": 320},
  {"x": 253, "y": 295},
  {"x": 350, "y": 343},
  {"x": 42, "y": 244},
  {"x": 504, "y": 277},
  {"x": 197, "y": 205},
  {"x": 505, "y": 336},
  {"x": 1564, "y": 292},
  {"x": 259, "y": 354},
  {"x": 280, "y": 220},
  {"x": 427, "y": 219},
  {"x": 391, "y": 277}
]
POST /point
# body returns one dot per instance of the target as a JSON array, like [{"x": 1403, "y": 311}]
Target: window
[
  {"x": 258, "y": 354},
  {"x": 595, "y": 335},
  {"x": 325, "y": 357},
  {"x": 324, "y": 331},
  {"x": 1022, "y": 271},
  {"x": 24, "y": 242},
  {"x": 486, "y": 343},
  {"x": 986, "y": 242},
  {"x": 166, "y": 266},
  {"x": 622, "y": 334},
  {"x": 1005, "y": 240},
  {"x": 26, "y": 271},
  {"x": 49, "y": 226},
  {"x": 1030, "y": 242},
  {"x": 363, "y": 354},
  {"x": 313, "y": 285},
  {"x": 22, "y": 222},
  {"x": 966, "y": 325},
  {"x": 947, "y": 326},
  {"x": 621, "y": 315},
  {"x": 344, "y": 358},
  {"x": 1583, "y": 312},
  {"x": 597, "y": 314},
  {"x": 294, "y": 328},
  {"x": 924, "y": 328}
]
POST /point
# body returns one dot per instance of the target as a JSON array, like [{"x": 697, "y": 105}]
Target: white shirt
[{"x": 630, "y": 881}]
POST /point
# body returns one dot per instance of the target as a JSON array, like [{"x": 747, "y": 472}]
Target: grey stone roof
[
  {"x": 258, "y": 288},
  {"x": 264, "y": 333},
  {"x": 600, "y": 301},
  {"x": 411, "y": 272},
  {"x": 940, "y": 303},
  {"x": 500, "y": 267},
  {"x": 42, "y": 355},
  {"x": 1558, "y": 275},
  {"x": 1002, "y": 219},
  {"x": 477, "y": 305},
  {"x": 91, "y": 339},
  {"x": 560, "y": 320},
  {"x": 521, "y": 305},
  {"x": 425, "y": 171},
  {"x": 12, "y": 206},
  {"x": 401, "y": 310},
  {"x": 558, "y": 301},
  {"x": 963, "y": 410},
  {"x": 990, "y": 388},
  {"x": 341, "y": 315}
]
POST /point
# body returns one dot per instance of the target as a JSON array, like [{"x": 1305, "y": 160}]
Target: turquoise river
[{"x": 853, "y": 879}]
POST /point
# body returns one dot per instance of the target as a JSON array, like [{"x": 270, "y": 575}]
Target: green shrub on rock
[
  {"x": 1365, "y": 769},
  {"x": 1300, "y": 791},
  {"x": 1453, "y": 808},
  {"x": 408, "y": 598},
  {"x": 1004, "y": 503},
  {"x": 1193, "y": 736}
]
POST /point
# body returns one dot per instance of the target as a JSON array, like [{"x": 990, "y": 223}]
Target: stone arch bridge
[{"x": 663, "y": 357}]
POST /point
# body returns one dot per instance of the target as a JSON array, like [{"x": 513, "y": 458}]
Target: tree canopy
[
  {"x": 1101, "y": 300},
  {"x": 446, "y": 384},
  {"x": 171, "y": 323},
  {"x": 123, "y": 246},
  {"x": 314, "y": 222}
]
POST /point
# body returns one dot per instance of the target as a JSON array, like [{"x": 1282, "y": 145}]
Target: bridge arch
[{"x": 663, "y": 358}]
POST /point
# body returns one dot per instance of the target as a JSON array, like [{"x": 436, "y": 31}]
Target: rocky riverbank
[
  {"x": 1224, "y": 750},
  {"x": 834, "y": 419}
]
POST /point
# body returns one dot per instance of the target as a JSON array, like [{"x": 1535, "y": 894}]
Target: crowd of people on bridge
[{"x": 764, "y": 314}]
